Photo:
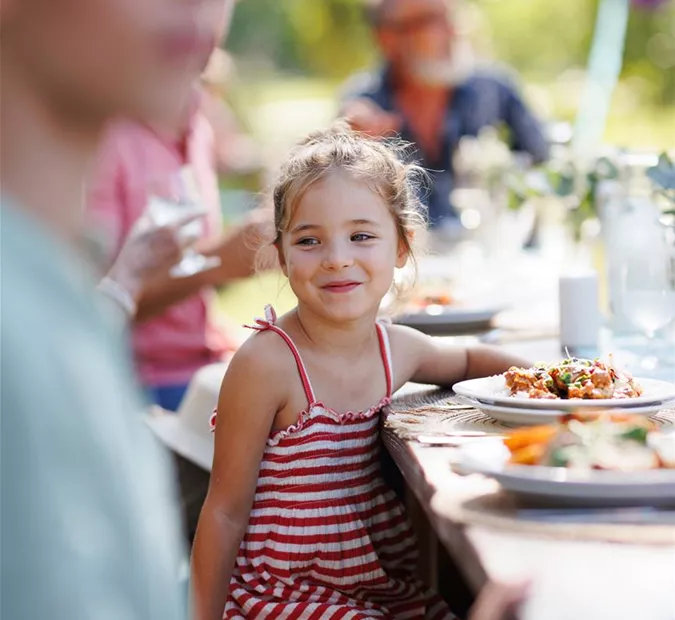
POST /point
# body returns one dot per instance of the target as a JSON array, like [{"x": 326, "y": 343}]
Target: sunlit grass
[
  {"x": 642, "y": 129},
  {"x": 243, "y": 301}
]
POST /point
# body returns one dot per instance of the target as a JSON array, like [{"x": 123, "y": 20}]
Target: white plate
[
  {"x": 523, "y": 416},
  {"x": 567, "y": 486},
  {"x": 493, "y": 391},
  {"x": 452, "y": 317}
]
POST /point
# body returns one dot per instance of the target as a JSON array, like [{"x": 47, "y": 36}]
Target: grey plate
[
  {"x": 568, "y": 486},
  {"x": 525, "y": 416},
  {"x": 452, "y": 319}
]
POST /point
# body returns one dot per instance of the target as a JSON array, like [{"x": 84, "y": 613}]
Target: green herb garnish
[
  {"x": 638, "y": 433},
  {"x": 559, "y": 458}
]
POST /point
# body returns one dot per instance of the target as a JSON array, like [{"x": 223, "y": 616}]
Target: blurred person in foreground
[
  {"x": 174, "y": 334},
  {"x": 89, "y": 521},
  {"x": 423, "y": 94}
]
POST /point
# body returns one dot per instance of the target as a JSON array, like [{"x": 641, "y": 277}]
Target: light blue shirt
[{"x": 89, "y": 521}]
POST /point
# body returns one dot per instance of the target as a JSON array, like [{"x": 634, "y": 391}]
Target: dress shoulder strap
[
  {"x": 269, "y": 324},
  {"x": 385, "y": 351}
]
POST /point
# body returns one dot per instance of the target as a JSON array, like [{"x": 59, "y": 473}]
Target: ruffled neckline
[{"x": 341, "y": 418}]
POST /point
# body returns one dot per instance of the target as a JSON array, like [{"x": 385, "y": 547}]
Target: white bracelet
[{"x": 118, "y": 294}]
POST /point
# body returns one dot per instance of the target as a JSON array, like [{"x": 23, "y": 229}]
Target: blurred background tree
[
  {"x": 538, "y": 38},
  {"x": 649, "y": 58},
  {"x": 328, "y": 39}
]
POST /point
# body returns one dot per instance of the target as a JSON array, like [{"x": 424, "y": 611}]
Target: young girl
[{"x": 298, "y": 522}]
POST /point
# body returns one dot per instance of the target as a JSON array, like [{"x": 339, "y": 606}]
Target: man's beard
[{"x": 449, "y": 71}]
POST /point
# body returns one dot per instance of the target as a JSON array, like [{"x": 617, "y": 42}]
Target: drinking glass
[
  {"x": 171, "y": 200},
  {"x": 648, "y": 288}
]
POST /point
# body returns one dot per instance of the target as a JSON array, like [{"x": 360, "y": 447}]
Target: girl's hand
[{"x": 499, "y": 601}]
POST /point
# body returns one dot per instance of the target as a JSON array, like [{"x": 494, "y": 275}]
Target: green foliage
[
  {"x": 538, "y": 38},
  {"x": 663, "y": 177},
  {"x": 575, "y": 184},
  {"x": 327, "y": 38},
  {"x": 646, "y": 59},
  {"x": 663, "y": 174}
]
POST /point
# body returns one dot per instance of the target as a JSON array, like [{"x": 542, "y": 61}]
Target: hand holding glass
[{"x": 178, "y": 200}]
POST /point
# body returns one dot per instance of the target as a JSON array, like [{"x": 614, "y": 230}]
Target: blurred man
[
  {"x": 422, "y": 95},
  {"x": 174, "y": 335},
  {"x": 89, "y": 528}
]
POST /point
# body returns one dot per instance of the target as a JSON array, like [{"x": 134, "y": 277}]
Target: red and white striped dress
[{"x": 327, "y": 538}]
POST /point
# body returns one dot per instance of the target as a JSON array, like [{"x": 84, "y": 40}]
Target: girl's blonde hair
[{"x": 377, "y": 163}]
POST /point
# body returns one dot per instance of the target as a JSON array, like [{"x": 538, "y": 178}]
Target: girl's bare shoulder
[
  {"x": 265, "y": 355},
  {"x": 258, "y": 377}
]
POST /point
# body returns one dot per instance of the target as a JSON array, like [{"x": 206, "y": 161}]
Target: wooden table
[{"x": 571, "y": 579}]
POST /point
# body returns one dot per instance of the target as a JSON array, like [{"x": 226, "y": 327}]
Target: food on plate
[
  {"x": 570, "y": 379},
  {"x": 607, "y": 441},
  {"x": 424, "y": 300}
]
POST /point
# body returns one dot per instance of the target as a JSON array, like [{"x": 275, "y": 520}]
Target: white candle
[{"x": 579, "y": 312}]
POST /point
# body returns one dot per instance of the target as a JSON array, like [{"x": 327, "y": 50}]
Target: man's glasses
[{"x": 416, "y": 23}]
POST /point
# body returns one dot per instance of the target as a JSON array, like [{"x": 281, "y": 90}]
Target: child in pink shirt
[{"x": 173, "y": 335}]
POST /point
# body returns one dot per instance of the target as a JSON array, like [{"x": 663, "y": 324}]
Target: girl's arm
[
  {"x": 429, "y": 360},
  {"x": 250, "y": 396}
]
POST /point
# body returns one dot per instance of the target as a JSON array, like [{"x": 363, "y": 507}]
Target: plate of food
[
  {"x": 525, "y": 416},
  {"x": 611, "y": 458},
  {"x": 443, "y": 320},
  {"x": 570, "y": 384},
  {"x": 438, "y": 313}
]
